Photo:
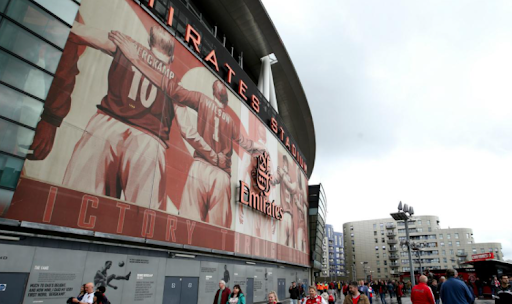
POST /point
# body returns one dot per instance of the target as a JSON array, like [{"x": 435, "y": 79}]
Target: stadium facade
[{"x": 154, "y": 147}]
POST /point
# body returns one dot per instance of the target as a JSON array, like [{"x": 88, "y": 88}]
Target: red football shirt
[
  {"x": 133, "y": 99},
  {"x": 356, "y": 299}
]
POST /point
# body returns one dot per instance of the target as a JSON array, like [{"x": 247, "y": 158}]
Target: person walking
[
  {"x": 88, "y": 297},
  {"x": 294, "y": 293},
  {"x": 435, "y": 290},
  {"x": 382, "y": 291},
  {"x": 391, "y": 290},
  {"x": 363, "y": 289},
  {"x": 82, "y": 293},
  {"x": 354, "y": 296},
  {"x": 399, "y": 292},
  {"x": 480, "y": 287},
  {"x": 237, "y": 296},
  {"x": 313, "y": 297},
  {"x": 370, "y": 291},
  {"x": 332, "y": 297},
  {"x": 421, "y": 293},
  {"x": 454, "y": 291},
  {"x": 222, "y": 295},
  {"x": 345, "y": 289},
  {"x": 504, "y": 292},
  {"x": 495, "y": 284},
  {"x": 272, "y": 298}
]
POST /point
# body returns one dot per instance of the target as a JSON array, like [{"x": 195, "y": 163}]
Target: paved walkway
[{"x": 407, "y": 300}]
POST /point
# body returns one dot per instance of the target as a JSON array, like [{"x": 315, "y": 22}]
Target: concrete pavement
[{"x": 407, "y": 300}]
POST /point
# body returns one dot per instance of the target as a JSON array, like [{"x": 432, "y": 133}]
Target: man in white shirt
[{"x": 89, "y": 295}]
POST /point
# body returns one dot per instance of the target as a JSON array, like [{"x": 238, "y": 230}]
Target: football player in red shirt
[
  {"x": 122, "y": 150},
  {"x": 207, "y": 192}
]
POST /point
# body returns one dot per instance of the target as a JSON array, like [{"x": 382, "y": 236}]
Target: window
[
  {"x": 10, "y": 170},
  {"x": 23, "y": 76},
  {"x": 353, "y": 243},
  {"x": 378, "y": 270},
  {"x": 13, "y": 103},
  {"x": 442, "y": 243},
  {"x": 444, "y": 252},
  {"x": 381, "y": 226},
  {"x": 456, "y": 235},
  {"x": 383, "y": 240},
  {"x": 14, "y": 138},
  {"x": 448, "y": 236},
  {"x": 429, "y": 229},
  {"x": 490, "y": 249},
  {"x": 33, "y": 17},
  {"x": 384, "y": 248},
  {"x": 374, "y": 226},
  {"x": 378, "y": 263},
  {"x": 376, "y": 247},
  {"x": 474, "y": 250},
  {"x": 66, "y": 10},
  {"x": 450, "y": 243},
  {"x": 428, "y": 222},
  {"x": 376, "y": 241},
  {"x": 418, "y": 222},
  {"x": 482, "y": 250},
  {"x": 457, "y": 243},
  {"x": 385, "y": 262},
  {"x": 385, "y": 270},
  {"x": 24, "y": 44},
  {"x": 384, "y": 255},
  {"x": 467, "y": 235},
  {"x": 351, "y": 228},
  {"x": 351, "y": 235},
  {"x": 375, "y": 233},
  {"x": 440, "y": 236},
  {"x": 451, "y": 251}
]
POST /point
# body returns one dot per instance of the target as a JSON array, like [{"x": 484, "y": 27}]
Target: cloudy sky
[{"x": 412, "y": 101}]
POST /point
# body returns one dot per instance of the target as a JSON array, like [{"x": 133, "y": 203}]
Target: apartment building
[
  {"x": 375, "y": 248},
  {"x": 333, "y": 267}
]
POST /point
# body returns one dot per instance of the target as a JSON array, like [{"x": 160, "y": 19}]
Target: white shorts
[
  {"x": 207, "y": 194},
  {"x": 113, "y": 158},
  {"x": 286, "y": 231}
]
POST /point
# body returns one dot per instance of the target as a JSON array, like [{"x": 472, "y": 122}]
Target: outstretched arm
[
  {"x": 177, "y": 93},
  {"x": 92, "y": 37}
]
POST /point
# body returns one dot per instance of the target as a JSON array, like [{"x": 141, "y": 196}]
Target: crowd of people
[{"x": 429, "y": 290}]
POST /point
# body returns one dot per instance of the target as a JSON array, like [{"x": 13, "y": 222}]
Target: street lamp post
[{"x": 405, "y": 214}]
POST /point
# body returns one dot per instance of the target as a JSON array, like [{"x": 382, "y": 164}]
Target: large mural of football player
[
  {"x": 207, "y": 193},
  {"x": 287, "y": 190},
  {"x": 292, "y": 230},
  {"x": 249, "y": 222},
  {"x": 300, "y": 199},
  {"x": 122, "y": 149}
]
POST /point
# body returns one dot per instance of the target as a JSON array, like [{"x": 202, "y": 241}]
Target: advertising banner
[
  {"x": 139, "y": 138},
  {"x": 483, "y": 256}
]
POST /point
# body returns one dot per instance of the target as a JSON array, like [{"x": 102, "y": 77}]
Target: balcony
[
  {"x": 393, "y": 249},
  {"x": 392, "y": 242},
  {"x": 393, "y": 256},
  {"x": 462, "y": 254},
  {"x": 390, "y": 226},
  {"x": 391, "y": 233},
  {"x": 394, "y": 265}
]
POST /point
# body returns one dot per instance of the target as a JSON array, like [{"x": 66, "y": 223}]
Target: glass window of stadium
[{"x": 32, "y": 35}]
